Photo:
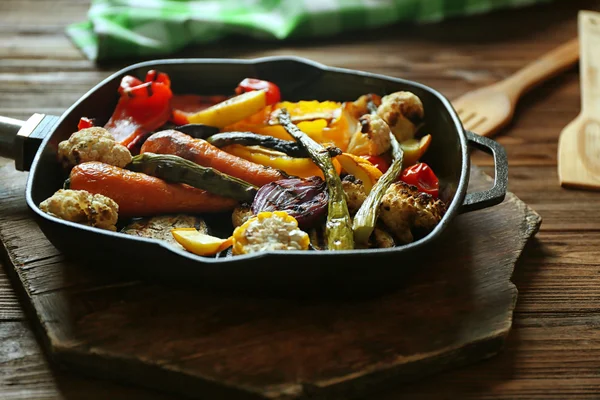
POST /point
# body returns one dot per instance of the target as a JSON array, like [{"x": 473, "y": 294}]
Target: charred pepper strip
[
  {"x": 292, "y": 149},
  {"x": 366, "y": 217},
  {"x": 175, "y": 169},
  {"x": 338, "y": 227},
  {"x": 252, "y": 139}
]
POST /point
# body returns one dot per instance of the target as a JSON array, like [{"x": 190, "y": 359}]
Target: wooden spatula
[
  {"x": 579, "y": 143},
  {"x": 487, "y": 110}
]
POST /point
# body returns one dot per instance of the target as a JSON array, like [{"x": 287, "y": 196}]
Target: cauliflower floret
[
  {"x": 360, "y": 106},
  {"x": 241, "y": 214},
  {"x": 373, "y": 138},
  {"x": 355, "y": 193},
  {"x": 381, "y": 239},
  {"x": 92, "y": 144},
  {"x": 82, "y": 207},
  {"x": 404, "y": 208},
  {"x": 269, "y": 231},
  {"x": 402, "y": 111}
]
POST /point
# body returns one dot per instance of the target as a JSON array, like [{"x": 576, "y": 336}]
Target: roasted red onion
[{"x": 303, "y": 199}]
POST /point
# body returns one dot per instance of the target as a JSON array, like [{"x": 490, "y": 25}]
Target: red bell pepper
[
  {"x": 273, "y": 94},
  {"x": 422, "y": 176},
  {"x": 85, "y": 123},
  {"x": 381, "y": 162},
  {"x": 142, "y": 108}
]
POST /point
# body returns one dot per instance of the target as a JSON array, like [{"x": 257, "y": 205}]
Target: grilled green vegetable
[
  {"x": 179, "y": 170},
  {"x": 338, "y": 227},
  {"x": 366, "y": 217},
  {"x": 292, "y": 149}
]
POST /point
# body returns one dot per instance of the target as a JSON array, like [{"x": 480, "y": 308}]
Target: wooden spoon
[
  {"x": 579, "y": 143},
  {"x": 487, "y": 110}
]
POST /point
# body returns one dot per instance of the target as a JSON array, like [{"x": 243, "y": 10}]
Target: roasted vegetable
[
  {"x": 365, "y": 104},
  {"x": 382, "y": 162},
  {"x": 291, "y": 149},
  {"x": 160, "y": 227},
  {"x": 82, "y": 207},
  {"x": 360, "y": 168},
  {"x": 92, "y": 144},
  {"x": 381, "y": 239},
  {"x": 403, "y": 112},
  {"x": 324, "y": 122},
  {"x": 140, "y": 195},
  {"x": 85, "y": 123},
  {"x": 231, "y": 110},
  {"x": 338, "y": 228},
  {"x": 421, "y": 176},
  {"x": 404, "y": 210},
  {"x": 373, "y": 138},
  {"x": 175, "y": 169},
  {"x": 269, "y": 231},
  {"x": 184, "y": 105},
  {"x": 200, "y": 243},
  {"x": 302, "y": 167},
  {"x": 414, "y": 149},
  {"x": 303, "y": 199},
  {"x": 198, "y": 131},
  {"x": 271, "y": 90},
  {"x": 241, "y": 214},
  {"x": 203, "y": 153},
  {"x": 366, "y": 217},
  {"x": 142, "y": 108},
  {"x": 355, "y": 193}
]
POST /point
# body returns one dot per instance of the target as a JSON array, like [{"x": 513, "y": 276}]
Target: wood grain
[
  {"x": 204, "y": 344},
  {"x": 551, "y": 352}
]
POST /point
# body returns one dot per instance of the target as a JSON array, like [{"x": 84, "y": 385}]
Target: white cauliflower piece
[
  {"x": 83, "y": 207},
  {"x": 92, "y": 144},
  {"x": 373, "y": 138},
  {"x": 241, "y": 214},
  {"x": 402, "y": 111},
  {"x": 355, "y": 193},
  {"x": 404, "y": 208},
  {"x": 360, "y": 106},
  {"x": 381, "y": 239}
]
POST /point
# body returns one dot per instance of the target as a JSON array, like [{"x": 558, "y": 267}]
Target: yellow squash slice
[{"x": 200, "y": 243}]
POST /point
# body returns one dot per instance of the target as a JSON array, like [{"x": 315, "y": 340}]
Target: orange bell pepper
[{"x": 325, "y": 122}]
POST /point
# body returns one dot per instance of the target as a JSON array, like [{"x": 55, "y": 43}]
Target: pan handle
[
  {"x": 9, "y": 127},
  {"x": 20, "y": 140},
  {"x": 495, "y": 195}
]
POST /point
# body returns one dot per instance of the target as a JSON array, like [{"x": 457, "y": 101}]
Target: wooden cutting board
[{"x": 457, "y": 309}]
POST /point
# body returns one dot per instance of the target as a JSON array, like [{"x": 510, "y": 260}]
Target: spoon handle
[{"x": 547, "y": 66}]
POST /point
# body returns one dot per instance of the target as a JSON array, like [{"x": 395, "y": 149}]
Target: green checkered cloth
[{"x": 141, "y": 28}]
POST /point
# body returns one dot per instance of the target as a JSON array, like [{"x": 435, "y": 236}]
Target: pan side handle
[
  {"x": 21, "y": 140},
  {"x": 495, "y": 195}
]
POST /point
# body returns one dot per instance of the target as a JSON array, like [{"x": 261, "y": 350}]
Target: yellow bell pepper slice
[
  {"x": 302, "y": 167},
  {"x": 199, "y": 243},
  {"x": 360, "y": 168},
  {"x": 414, "y": 149},
  {"x": 231, "y": 110},
  {"x": 325, "y": 122}
]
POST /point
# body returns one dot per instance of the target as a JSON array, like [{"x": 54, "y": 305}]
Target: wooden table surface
[{"x": 553, "y": 351}]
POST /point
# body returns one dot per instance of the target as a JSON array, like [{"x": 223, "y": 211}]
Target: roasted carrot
[
  {"x": 203, "y": 153},
  {"x": 140, "y": 195}
]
